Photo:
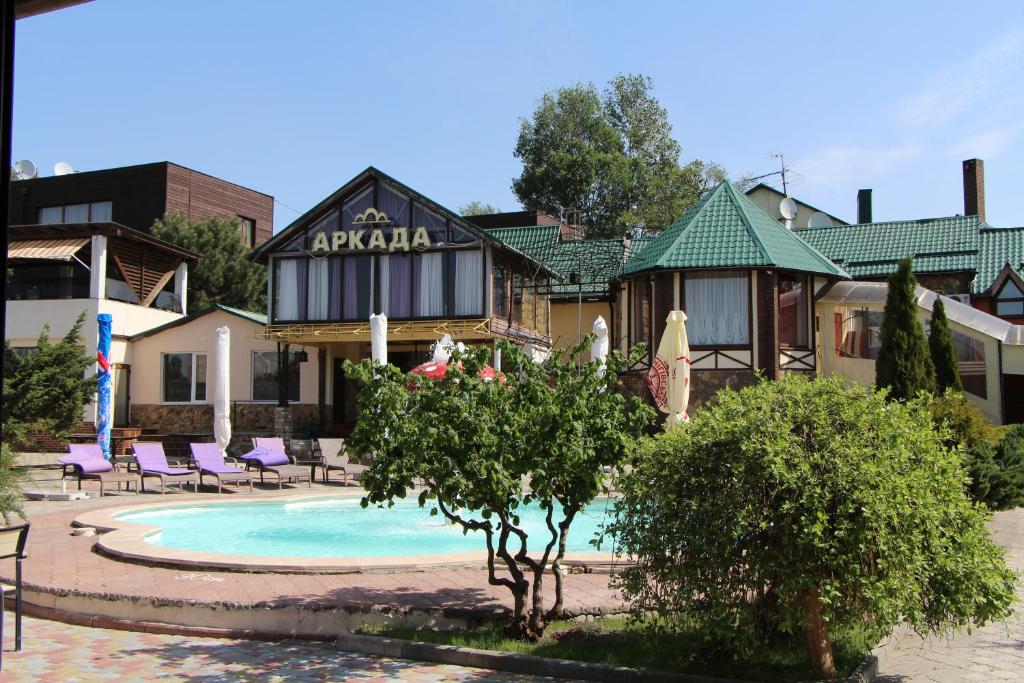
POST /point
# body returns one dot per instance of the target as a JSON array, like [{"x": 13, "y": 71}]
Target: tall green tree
[
  {"x": 904, "y": 365},
  {"x": 943, "y": 351},
  {"x": 223, "y": 274},
  {"x": 607, "y": 160},
  {"x": 477, "y": 208}
]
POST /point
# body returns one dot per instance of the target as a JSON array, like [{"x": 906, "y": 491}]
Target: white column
[
  {"x": 98, "y": 268},
  {"x": 181, "y": 285}
]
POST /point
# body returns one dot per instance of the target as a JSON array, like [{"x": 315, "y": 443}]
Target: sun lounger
[
  {"x": 207, "y": 459},
  {"x": 86, "y": 461},
  {"x": 153, "y": 463},
  {"x": 277, "y": 463},
  {"x": 334, "y": 457}
]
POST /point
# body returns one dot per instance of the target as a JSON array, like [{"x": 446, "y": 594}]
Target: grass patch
[{"x": 619, "y": 642}]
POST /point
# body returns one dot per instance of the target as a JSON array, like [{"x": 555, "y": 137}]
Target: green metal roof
[
  {"x": 595, "y": 262},
  {"x": 937, "y": 245},
  {"x": 998, "y": 247},
  {"x": 725, "y": 229}
]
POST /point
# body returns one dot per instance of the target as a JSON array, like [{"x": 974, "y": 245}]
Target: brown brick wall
[
  {"x": 663, "y": 298},
  {"x": 768, "y": 324},
  {"x": 200, "y": 196},
  {"x": 198, "y": 419}
]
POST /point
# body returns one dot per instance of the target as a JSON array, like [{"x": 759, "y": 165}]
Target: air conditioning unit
[{"x": 962, "y": 298}]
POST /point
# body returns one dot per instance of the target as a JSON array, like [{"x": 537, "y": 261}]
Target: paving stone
[{"x": 53, "y": 651}]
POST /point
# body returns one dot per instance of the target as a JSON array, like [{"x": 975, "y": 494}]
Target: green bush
[
  {"x": 997, "y": 472},
  {"x": 967, "y": 426},
  {"x": 800, "y": 506}
]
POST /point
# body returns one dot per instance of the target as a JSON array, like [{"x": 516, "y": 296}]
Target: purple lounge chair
[
  {"x": 206, "y": 458},
  {"x": 153, "y": 463},
  {"x": 86, "y": 461},
  {"x": 276, "y": 462}
]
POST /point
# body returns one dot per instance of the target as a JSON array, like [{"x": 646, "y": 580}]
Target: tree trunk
[
  {"x": 537, "y": 620},
  {"x": 556, "y": 566},
  {"x": 819, "y": 647}
]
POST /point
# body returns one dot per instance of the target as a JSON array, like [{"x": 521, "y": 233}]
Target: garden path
[{"x": 992, "y": 653}]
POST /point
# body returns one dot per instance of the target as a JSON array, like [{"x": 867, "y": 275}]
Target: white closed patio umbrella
[
  {"x": 379, "y": 338},
  {"x": 669, "y": 377},
  {"x": 222, "y": 390},
  {"x": 599, "y": 349}
]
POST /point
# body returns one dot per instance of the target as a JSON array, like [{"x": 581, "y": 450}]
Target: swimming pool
[{"x": 334, "y": 527}]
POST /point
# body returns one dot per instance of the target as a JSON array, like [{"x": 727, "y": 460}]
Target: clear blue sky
[{"x": 294, "y": 98}]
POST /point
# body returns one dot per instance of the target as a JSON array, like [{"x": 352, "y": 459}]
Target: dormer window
[{"x": 1010, "y": 300}]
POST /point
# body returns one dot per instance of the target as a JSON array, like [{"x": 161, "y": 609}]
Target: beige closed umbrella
[{"x": 669, "y": 377}]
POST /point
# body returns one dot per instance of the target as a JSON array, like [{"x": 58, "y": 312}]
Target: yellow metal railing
[{"x": 474, "y": 328}]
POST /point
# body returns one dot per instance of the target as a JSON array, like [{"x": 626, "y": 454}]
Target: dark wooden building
[{"x": 135, "y": 196}]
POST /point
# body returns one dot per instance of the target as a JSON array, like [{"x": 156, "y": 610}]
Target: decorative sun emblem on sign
[{"x": 371, "y": 217}]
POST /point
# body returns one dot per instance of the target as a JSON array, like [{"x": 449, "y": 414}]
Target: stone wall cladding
[{"x": 704, "y": 385}]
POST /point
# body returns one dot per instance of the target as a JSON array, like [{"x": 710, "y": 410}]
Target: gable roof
[
  {"x": 726, "y": 229},
  {"x": 937, "y": 245},
  {"x": 775, "y": 190},
  {"x": 304, "y": 221},
  {"x": 594, "y": 262},
  {"x": 257, "y": 318}
]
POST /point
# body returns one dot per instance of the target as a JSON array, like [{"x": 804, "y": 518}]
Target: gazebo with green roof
[{"x": 745, "y": 282}]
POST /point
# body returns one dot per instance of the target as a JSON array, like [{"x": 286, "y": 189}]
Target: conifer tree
[
  {"x": 904, "y": 365},
  {"x": 940, "y": 341}
]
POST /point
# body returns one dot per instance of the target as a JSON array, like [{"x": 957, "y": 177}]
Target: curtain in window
[
  {"x": 76, "y": 213},
  {"x": 319, "y": 289},
  {"x": 357, "y": 287},
  {"x": 51, "y": 214},
  {"x": 717, "y": 308},
  {"x": 394, "y": 204},
  {"x": 396, "y": 285},
  {"x": 334, "y": 287},
  {"x": 499, "y": 288},
  {"x": 287, "y": 280},
  {"x": 469, "y": 272},
  {"x": 428, "y": 276},
  {"x": 101, "y": 212},
  {"x": 792, "y": 312}
]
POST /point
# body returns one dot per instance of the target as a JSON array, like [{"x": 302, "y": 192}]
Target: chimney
[
  {"x": 974, "y": 188},
  {"x": 863, "y": 206}
]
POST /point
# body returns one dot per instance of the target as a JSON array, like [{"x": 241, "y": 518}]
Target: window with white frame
[
  {"x": 265, "y": 375},
  {"x": 90, "y": 212},
  {"x": 717, "y": 308},
  {"x": 183, "y": 377}
]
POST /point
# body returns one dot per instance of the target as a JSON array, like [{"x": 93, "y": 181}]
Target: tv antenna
[
  {"x": 25, "y": 169},
  {"x": 63, "y": 168},
  {"x": 781, "y": 172}
]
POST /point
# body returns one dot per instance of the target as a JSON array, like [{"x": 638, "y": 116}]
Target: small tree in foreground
[
  {"x": 800, "y": 506},
  {"x": 904, "y": 365},
  {"x": 45, "y": 391},
  {"x": 943, "y": 351},
  {"x": 483, "y": 450}
]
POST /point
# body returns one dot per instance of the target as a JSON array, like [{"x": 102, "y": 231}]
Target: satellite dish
[
  {"x": 63, "y": 168},
  {"x": 819, "y": 219},
  {"x": 787, "y": 207},
  {"x": 25, "y": 169}
]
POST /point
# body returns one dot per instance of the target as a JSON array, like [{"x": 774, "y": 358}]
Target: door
[
  {"x": 338, "y": 392},
  {"x": 122, "y": 396}
]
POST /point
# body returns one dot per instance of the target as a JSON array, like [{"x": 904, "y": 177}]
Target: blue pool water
[{"x": 337, "y": 527}]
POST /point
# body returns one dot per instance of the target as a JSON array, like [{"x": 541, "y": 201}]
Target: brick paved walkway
[
  {"x": 993, "y": 653},
  {"x": 67, "y": 654}
]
